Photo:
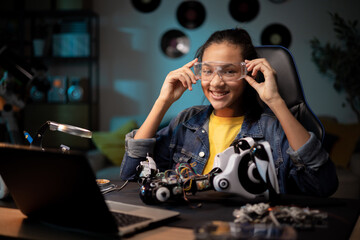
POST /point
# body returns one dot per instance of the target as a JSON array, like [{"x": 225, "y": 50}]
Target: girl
[{"x": 197, "y": 134}]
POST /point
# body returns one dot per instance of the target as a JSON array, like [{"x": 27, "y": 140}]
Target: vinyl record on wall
[
  {"x": 191, "y": 14},
  {"x": 276, "y": 34},
  {"x": 175, "y": 43},
  {"x": 244, "y": 10},
  {"x": 145, "y": 6}
]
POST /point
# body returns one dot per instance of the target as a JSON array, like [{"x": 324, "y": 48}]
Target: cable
[{"x": 116, "y": 188}]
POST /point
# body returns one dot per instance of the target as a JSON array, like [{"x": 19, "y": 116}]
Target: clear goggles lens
[{"x": 227, "y": 71}]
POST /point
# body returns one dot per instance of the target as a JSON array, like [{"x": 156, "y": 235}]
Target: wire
[{"x": 116, "y": 188}]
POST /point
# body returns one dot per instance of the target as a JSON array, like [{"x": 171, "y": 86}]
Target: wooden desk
[{"x": 13, "y": 224}]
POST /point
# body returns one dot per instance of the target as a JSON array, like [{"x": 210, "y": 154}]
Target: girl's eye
[
  {"x": 229, "y": 72},
  {"x": 206, "y": 71}
]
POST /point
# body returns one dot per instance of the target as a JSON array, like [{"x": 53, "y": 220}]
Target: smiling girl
[{"x": 198, "y": 133}]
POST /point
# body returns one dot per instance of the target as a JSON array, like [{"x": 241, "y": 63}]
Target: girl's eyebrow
[
  {"x": 207, "y": 64},
  {"x": 223, "y": 64},
  {"x": 228, "y": 64}
]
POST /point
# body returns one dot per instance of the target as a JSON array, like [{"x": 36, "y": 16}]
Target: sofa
[
  {"x": 342, "y": 141},
  {"x": 106, "y": 158}
]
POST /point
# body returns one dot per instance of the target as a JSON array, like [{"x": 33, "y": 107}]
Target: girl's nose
[{"x": 217, "y": 80}]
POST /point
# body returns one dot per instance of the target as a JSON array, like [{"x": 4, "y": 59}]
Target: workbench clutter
[
  {"x": 263, "y": 221},
  {"x": 59, "y": 89}
]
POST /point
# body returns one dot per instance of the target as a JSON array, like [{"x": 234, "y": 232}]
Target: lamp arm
[
  {"x": 40, "y": 133},
  {"x": 54, "y": 126}
]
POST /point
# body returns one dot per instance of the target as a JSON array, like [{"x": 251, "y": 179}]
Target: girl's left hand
[{"x": 267, "y": 90}]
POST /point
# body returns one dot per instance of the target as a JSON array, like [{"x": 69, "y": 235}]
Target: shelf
[
  {"x": 30, "y": 25},
  {"x": 47, "y": 13},
  {"x": 66, "y": 59},
  {"x": 61, "y": 14}
]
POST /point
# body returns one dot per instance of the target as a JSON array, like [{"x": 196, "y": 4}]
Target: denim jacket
[{"x": 185, "y": 140}]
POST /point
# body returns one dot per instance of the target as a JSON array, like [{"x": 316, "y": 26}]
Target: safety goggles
[{"x": 226, "y": 71}]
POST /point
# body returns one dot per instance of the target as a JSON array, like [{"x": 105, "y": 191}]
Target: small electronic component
[
  {"x": 28, "y": 137},
  {"x": 105, "y": 185}
]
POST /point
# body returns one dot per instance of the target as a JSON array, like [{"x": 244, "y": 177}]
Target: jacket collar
[{"x": 199, "y": 119}]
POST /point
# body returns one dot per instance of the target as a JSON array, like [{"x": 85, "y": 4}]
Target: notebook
[{"x": 60, "y": 189}]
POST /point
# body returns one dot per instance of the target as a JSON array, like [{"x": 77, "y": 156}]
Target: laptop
[{"x": 60, "y": 189}]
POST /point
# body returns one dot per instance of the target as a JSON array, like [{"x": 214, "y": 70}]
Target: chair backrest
[{"x": 289, "y": 85}]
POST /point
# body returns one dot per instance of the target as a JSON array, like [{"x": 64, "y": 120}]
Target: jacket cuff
[
  {"x": 138, "y": 147},
  {"x": 311, "y": 154}
]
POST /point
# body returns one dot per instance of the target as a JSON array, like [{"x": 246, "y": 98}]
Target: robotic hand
[{"x": 247, "y": 170}]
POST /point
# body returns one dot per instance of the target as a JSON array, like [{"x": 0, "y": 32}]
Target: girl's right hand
[{"x": 177, "y": 81}]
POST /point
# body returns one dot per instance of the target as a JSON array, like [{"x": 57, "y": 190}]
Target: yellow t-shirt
[{"x": 222, "y": 132}]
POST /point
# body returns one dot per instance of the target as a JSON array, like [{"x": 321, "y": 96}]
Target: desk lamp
[{"x": 65, "y": 128}]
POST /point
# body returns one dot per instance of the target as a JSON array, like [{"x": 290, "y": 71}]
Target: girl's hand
[
  {"x": 295, "y": 132},
  {"x": 267, "y": 90},
  {"x": 177, "y": 81}
]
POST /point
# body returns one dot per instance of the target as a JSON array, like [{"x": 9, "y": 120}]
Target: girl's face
[{"x": 225, "y": 97}]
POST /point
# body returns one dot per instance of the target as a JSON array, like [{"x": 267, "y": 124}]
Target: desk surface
[
  {"x": 13, "y": 224},
  {"x": 343, "y": 214}
]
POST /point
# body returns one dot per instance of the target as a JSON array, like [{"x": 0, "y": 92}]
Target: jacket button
[
  {"x": 201, "y": 154},
  {"x": 203, "y": 131}
]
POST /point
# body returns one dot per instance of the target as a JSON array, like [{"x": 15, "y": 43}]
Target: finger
[
  {"x": 257, "y": 60},
  {"x": 184, "y": 75},
  {"x": 186, "y": 80},
  {"x": 254, "y": 84},
  {"x": 251, "y": 64},
  {"x": 253, "y": 68},
  {"x": 188, "y": 73},
  {"x": 175, "y": 76},
  {"x": 182, "y": 80},
  {"x": 188, "y": 67},
  {"x": 191, "y": 63},
  {"x": 191, "y": 75},
  {"x": 260, "y": 66}
]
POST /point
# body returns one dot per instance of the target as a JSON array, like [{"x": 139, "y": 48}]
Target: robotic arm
[{"x": 246, "y": 168}]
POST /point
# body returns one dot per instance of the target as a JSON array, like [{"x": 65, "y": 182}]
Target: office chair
[{"x": 289, "y": 85}]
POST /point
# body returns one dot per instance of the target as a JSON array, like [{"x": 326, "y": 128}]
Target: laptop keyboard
[{"x": 124, "y": 219}]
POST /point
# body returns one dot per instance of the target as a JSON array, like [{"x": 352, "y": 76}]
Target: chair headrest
[
  {"x": 288, "y": 80},
  {"x": 289, "y": 86}
]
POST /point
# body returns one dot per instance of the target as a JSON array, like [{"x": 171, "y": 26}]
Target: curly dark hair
[{"x": 241, "y": 38}]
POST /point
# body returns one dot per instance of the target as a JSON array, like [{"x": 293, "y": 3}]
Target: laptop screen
[{"x": 55, "y": 188}]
